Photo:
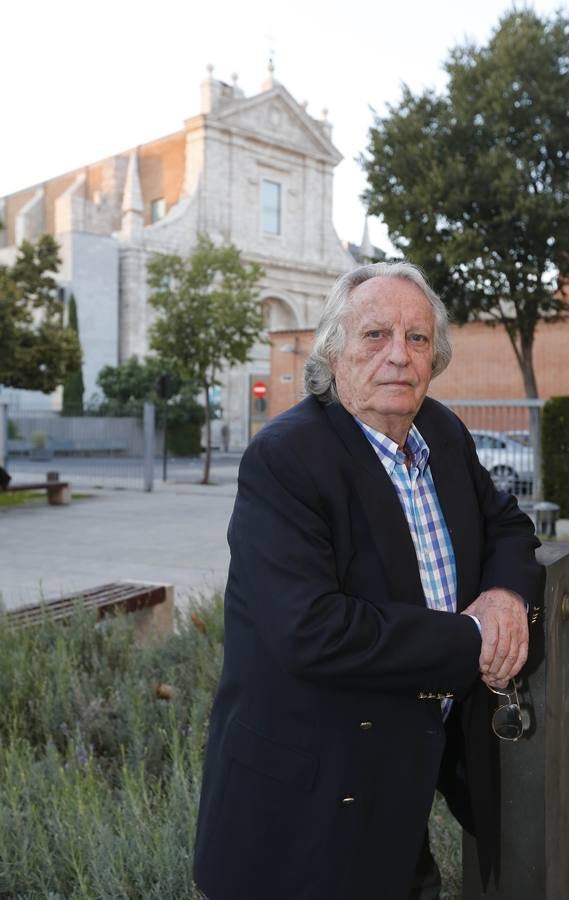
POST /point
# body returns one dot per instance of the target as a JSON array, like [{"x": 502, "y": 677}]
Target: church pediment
[{"x": 276, "y": 116}]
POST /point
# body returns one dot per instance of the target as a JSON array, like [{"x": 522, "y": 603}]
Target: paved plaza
[{"x": 174, "y": 535}]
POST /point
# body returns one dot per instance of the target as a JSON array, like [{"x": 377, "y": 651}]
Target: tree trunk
[
  {"x": 207, "y": 457},
  {"x": 534, "y": 412}
]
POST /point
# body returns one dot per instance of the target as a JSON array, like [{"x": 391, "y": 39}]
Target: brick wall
[
  {"x": 289, "y": 350},
  {"x": 483, "y": 366}
]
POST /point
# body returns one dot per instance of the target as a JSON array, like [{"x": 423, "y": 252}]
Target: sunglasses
[{"x": 507, "y": 721}]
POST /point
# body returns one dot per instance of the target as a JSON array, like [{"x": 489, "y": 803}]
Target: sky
[{"x": 83, "y": 80}]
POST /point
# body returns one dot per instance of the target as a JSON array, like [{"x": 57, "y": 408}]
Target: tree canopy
[
  {"x": 129, "y": 384},
  {"x": 208, "y": 317},
  {"x": 473, "y": 184},
  {"x": 36, "y": 350}
]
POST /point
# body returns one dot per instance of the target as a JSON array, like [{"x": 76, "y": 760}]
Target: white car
[{"x": 507, "y": 457}]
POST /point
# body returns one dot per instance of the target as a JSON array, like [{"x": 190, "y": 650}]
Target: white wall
[{"x": 91, "y": 268}]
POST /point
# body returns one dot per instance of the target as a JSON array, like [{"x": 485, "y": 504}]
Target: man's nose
[{"x": 398, "y": 350}]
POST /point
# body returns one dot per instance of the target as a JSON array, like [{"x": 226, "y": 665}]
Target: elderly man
[{"x": 378, "y": 588}]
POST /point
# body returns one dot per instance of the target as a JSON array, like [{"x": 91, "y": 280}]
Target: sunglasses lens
[{"x": 507, "y": 722}]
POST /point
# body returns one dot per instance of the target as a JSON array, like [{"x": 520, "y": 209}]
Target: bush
[
  {"x": 184, "y": 439},
  {"x": 555, "y": 452},
  {"x": 13, "y": 430},
  {"x": 99, "y": 774}
]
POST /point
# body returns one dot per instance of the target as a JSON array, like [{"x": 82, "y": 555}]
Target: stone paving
[{"x": 177, "y": 534}]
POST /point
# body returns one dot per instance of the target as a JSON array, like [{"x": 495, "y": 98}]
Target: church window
[
  {"x": 271, "y": 206},
  {"x": 157, "y": 209}
]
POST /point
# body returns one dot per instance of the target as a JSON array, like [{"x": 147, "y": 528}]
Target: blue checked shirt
[{"x": 418, "y": 497}]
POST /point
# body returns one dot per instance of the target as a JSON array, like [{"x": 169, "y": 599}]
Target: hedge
[{"x": 555, "y": 452}]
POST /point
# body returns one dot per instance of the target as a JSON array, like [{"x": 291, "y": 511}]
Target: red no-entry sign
[{"x": 259, "y": 389}]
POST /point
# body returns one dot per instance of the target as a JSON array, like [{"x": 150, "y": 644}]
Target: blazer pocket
[{"x": 271, "y": 758}]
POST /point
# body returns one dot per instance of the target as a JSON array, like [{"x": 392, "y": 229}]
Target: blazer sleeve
[
  {"x": 283, "y": 577},
  {"x": 509, "y": 537}
]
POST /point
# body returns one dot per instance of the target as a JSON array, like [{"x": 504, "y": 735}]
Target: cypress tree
[{"x": 73, "y": 388}]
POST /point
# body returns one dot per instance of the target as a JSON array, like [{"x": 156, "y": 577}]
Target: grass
[
  {"x": 22, "y": 497},
  {"x": 446, "y": 846},
  {"x": 101, "y": 747}
]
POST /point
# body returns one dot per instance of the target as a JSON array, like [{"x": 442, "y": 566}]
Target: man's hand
[{"x": 503, "y": 619}]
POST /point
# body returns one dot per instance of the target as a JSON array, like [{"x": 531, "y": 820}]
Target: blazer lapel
[{"x": 382, "y": 508}]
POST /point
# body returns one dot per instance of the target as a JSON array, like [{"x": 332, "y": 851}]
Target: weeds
[{"x": 99, "y": 777}]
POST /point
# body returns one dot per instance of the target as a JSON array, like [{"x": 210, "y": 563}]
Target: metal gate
[{"x": 89, "y": 451}]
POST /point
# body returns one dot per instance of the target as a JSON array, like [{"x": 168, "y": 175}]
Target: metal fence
[
  {"x": 507, "y": 434},
  {"x": 89, "y": 451},
  {"x": 121, "y": 452}
]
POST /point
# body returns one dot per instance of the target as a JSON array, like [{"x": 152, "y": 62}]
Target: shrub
[
  {"x": 184, "y": 439},
  {"x": 99, "y": 774},
  {"x": 13, "y": 430},
  {"x": 555, "y": 452},
  {"x": 39, "y": 440}
]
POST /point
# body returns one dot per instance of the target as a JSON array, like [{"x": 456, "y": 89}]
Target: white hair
[{"x": 330, "y": 336}]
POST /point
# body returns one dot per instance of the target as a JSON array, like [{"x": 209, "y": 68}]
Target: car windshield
[{"x": 521, "y": 437}]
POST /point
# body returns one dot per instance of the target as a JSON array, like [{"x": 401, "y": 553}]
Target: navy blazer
[{"x": 326, "y": 737}]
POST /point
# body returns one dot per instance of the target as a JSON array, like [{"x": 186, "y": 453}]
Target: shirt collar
[{"x": 389, "y": 452}]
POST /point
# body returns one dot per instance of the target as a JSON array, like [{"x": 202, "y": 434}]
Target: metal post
[
  {"x": 535, "y": 771},
  {"x": 165, "y": 454},
  {"x": 149, "y": 435},
  {"x": 3, "y": 433}
]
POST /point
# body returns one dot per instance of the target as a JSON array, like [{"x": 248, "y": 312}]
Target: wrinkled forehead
[{"x": 386, "y": 299}]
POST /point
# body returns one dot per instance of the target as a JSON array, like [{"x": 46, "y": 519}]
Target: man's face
[{"x": 384, "y": 370}]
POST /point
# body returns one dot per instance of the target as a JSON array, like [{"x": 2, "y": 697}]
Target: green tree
[
  {"x": 36, "y": 351},
  {"x": 129, "y": 384},
  {"x": 208, "y": 317},
  {"x": 474, "y": 183},
  {"x": 74, "y": 387}
]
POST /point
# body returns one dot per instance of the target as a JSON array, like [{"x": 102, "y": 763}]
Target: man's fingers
[
  {"x": 492, "y": 683},
  {"x": 513, "y": 663},
  {"x": 490, "y": 636},
  {"x": 504, "y": 650}
]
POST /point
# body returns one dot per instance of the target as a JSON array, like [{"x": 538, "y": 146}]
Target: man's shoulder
[
  {"x": 304, "y": 421},
  {"x": 295, "y": 447},
  {"x": 435, "y": 416}
]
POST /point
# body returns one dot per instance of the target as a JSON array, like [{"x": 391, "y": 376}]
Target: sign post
[{"x": 259, "y": 403}]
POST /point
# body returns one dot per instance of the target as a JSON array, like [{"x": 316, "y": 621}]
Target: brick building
[{"x": 255, "y": 171}]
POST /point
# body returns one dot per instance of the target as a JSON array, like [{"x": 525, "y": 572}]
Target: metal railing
[
  {"x": 507, "y": 434},
  {"x": 86, "y": 450}
]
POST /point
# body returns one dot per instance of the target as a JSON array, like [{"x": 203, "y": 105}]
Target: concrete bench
[{"x": 152, "y": 606}]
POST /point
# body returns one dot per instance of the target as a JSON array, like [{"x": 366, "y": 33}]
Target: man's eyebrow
[{"x": 374, "y": 325}]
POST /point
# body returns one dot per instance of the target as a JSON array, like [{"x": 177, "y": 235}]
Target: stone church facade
[{"x": 253, "y": 171}]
